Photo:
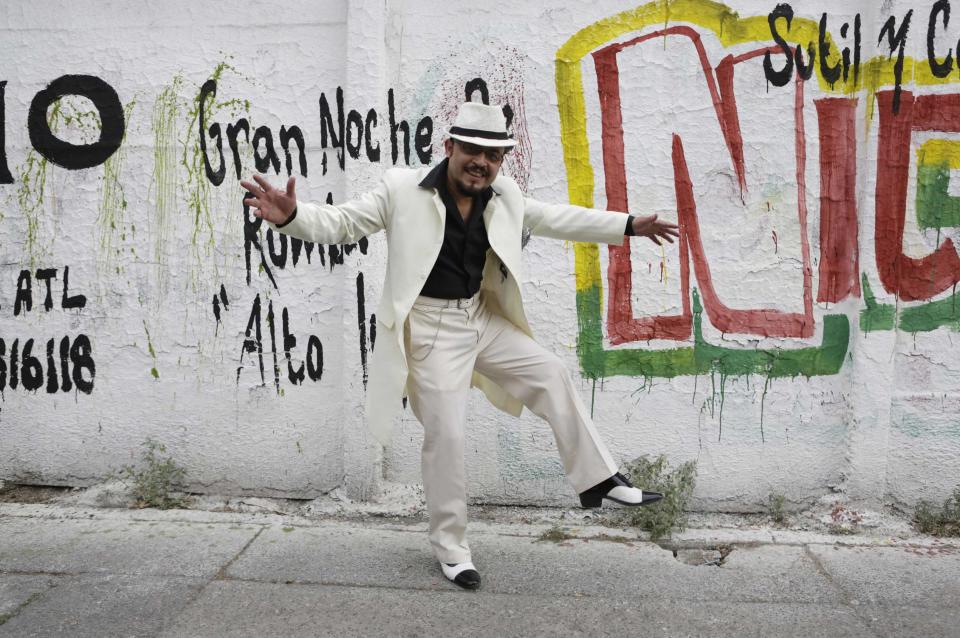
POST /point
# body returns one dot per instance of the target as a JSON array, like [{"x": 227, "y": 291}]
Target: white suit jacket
[{"x": 413, "y": 218}]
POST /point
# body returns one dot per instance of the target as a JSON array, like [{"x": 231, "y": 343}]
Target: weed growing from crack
[
  {"x": 843, "y": 521},
  {"x": 945, "y": 521},
  {"x": 676, "y": 485},
  {"x": 154, "y": 482},
  {"x": 556, "y": 534},
  {"x": 775, "y": 503}
]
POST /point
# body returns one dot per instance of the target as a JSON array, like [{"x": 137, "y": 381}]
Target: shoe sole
[{"x": 590, "y": 503}]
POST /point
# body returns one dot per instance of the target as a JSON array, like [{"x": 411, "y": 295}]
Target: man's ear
[{"x": 448, "y": 146}]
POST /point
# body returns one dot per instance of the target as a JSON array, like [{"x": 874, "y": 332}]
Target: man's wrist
[{"x": 289, "y": 219}]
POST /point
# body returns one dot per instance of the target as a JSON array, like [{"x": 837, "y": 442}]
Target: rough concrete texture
[
  {"x": 302, "y": 577},
  {"x": 800, "y": 340}
]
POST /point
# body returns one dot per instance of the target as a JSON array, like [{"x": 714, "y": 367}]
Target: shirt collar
[{"x": 438, "y": 176}]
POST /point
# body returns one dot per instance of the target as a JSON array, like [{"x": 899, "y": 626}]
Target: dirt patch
[{"x": 30, "y": 493}]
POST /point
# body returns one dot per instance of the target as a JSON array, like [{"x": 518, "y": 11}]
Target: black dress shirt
[
  {"x": 458, "y": 271},
  {"x": 459, "y": 267}
]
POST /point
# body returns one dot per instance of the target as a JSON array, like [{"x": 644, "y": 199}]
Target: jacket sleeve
[
  {"x": 342, "y": 223},
  {"x": 575, "y": 223}
]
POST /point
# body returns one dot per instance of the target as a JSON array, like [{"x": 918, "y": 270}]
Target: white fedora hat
[{"x": 481, "y": 125}]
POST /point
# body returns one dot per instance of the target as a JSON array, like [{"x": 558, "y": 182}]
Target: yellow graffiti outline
[
  {"x": 730, "y": 29},
  {"x": 939, "y": 153}
]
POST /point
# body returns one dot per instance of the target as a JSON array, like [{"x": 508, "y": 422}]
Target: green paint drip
[
  {"x": 113, "y": 204},
  {"x": 166, "y": 110},
  {"x": 593, "y": 397},
  {"x": 706, "y": 358},
  {"x": 153, "y": 353},
  {"x": 875, "y": 316},
  {"x": 198, "y": 187},
  {"x": 32, "y": 175}
]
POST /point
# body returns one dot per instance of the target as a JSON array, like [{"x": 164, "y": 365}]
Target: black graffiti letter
[
  {"x": 373, "y": 152},
  {"x": 251, "y": 239},
  {"x": 76, "y": 301},
  {"x": 5, "y": 176},
  {"x": 252, "y": 341},
  {"x": 279, "y": 259},
  {"x": 394, "y": 127},
  {"x": 354, "y": 122},
  {"x": 15, "y": 364},
  {"x": 314, "y": 358},
  {"x": 830, "y": 73},
  {"x": 293, "y": 133},
  {"x": 289, "y": 343},
  {"x": 82, "y": 360},
  {"x": 77, "y": 156},
  {"x": 477, "y": 84},
  {"x": 65, "y": 383},
  {"x": 52, "y": 384},
  {"x": 45, "y": 275},
  {"x": 233, "y": 134},
  {"x": 939, "y": 69},
  {"x": 3, "y": 365},
  {"x": 24, "y": 293},
  {"x": 896, "y": 39},
  {"x": 31, "y": 371},
  {"x": 361, "y": 318},
  {"x": 209, "y": 90},
  {"x": 781, "y": 77},
  {"x": 326, "y": 123},
  {"x": 269, "y": 158},
  {"x": 422, "y": 141},
  {"x": 273, "y": 345}
]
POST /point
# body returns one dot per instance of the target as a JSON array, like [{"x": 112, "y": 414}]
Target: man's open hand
[
  {"x": 271, "y": 204},
  {"x": 656, "y": 230}
]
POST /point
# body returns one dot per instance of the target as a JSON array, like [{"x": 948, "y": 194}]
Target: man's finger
[
  {"x": 264, "y": 184},
  {"x": 253, "y": 202},
  {"x": 290, "y": 183},
  {"x": 250, "y": 186},
  {"x": 654, "y": 239}
]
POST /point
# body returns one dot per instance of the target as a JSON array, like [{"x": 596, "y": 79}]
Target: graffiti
[
  {"x": 253, "y": 343},
  {"x": 355, "y": 131},
  {"x": 838, "y": 70},
  {"x": 818, "y": 54},
  {"x": 20, "y": 367},
  {"x": 66, "y": 154},
  {"x": 24, "y": 297}
]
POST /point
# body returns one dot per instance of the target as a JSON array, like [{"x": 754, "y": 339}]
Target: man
[{"x": 451, "y": 315}]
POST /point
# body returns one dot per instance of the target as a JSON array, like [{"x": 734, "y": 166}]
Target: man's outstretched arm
[
  {"x": 319, "y": 223},
  {"x": 575, "y": 223}
]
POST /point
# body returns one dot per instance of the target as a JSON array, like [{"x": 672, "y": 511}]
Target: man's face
[{"x": 472, "y": 168}]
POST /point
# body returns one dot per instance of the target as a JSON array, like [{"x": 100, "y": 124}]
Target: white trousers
[{"x": 446, "y": 341}]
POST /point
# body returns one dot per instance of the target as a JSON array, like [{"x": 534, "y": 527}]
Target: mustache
[{"x": 477, "y": 168}]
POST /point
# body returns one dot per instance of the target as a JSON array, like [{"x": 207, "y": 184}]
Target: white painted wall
[{"x": 885, "y": 427}]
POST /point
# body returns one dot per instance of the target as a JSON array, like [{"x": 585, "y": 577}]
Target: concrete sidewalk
[{"x": 73, "y": 571}]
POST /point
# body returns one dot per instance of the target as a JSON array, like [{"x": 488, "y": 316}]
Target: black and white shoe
[
  {"x": 463, "y": 574},
  {"x": 619, "y": 490}
]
